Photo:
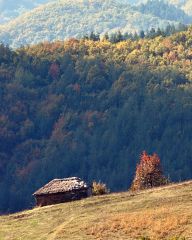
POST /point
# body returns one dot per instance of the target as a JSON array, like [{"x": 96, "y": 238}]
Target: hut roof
[{"x": 62, "y": 185}]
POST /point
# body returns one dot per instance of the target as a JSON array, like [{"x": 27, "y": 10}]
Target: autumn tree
[
  {"x": 148, "y": 173},
  {"x": 54, "y": 70}
]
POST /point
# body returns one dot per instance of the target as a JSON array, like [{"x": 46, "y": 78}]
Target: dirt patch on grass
[{"x": 21, "y": 216}]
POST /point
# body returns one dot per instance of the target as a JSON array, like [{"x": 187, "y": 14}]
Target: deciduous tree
[{"x": 148, "y": 173}]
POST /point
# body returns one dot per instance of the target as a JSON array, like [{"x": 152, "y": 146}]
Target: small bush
[{"x": 99, "y": 188}]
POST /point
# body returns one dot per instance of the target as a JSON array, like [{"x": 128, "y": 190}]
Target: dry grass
[
  {"x": 161, "y": 213},
  {"x": 157, "y": 224}
]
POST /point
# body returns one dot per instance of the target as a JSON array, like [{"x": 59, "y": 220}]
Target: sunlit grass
[
  {"x": 156, "y": 223},
  {"x": 162, "y": 213}
]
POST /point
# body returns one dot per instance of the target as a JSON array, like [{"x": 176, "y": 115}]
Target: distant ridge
[
  {"x": 65, "y": 19},
  {"x": 11, "y": 9}
]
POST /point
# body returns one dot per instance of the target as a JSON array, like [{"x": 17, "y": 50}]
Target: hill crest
[{"x": 65, "y": 19}]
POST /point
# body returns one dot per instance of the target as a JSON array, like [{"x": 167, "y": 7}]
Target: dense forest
[
  {"x": 89, "y": 108},
  {"x": 178, "y": 10},
  {"x": 164, "y": 10},
  {"x": 64, "y": 19},
  {"x": 10, "y": 9}
]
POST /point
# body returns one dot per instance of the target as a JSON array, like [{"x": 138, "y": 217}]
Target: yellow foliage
[{"x": 99, "y": 188}]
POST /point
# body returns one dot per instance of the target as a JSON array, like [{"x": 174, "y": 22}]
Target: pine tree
[
  {"x": 106, "y": 36},
  {"x": 142, "y": 34}
]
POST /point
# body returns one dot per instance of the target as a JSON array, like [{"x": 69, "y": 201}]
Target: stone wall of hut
[{"x": 56, "y": 198}]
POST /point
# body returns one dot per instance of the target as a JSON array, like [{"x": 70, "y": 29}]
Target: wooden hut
[{"x": 62, "y": 190}]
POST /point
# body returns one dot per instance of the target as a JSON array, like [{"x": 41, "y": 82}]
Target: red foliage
[
  {"x": 148, "y": 173},
  {"x": 54, "y": 70}
]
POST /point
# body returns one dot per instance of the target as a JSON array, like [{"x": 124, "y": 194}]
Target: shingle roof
[{"x": 62, "y": 185}]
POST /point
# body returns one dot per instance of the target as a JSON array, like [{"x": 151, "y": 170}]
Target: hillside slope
[
  {"x": 160, "y": 213},
  {"x": 188, "y": 7},
  {"x": 65, "y": 19},
  {"x": 10, "y": 9},
  {"x": 164, "y": 11},
  {"x": 89, "y": 108}
]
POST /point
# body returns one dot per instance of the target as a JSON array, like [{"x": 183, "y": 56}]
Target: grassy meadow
[{"x": 160, "y": 213}]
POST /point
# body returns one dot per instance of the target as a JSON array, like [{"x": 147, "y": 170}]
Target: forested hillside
[
  {"x": 89, "y": 108},
  {"x": 10, "y": 9},
  {"x": 186, "y": 5},
  {"x": 164, "y": 10},
  {"x": 74, "y": 18}
]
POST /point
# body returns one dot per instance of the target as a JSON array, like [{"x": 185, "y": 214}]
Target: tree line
[{"x": 152, "y": 33}]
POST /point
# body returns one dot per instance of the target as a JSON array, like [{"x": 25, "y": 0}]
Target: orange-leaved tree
[{"x": 148, "y": 173}]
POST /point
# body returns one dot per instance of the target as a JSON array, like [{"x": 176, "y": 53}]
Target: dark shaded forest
[{"x": 89, "y": 108}]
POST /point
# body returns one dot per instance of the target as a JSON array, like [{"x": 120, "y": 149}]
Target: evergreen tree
[{"x": 142, "y": 34}]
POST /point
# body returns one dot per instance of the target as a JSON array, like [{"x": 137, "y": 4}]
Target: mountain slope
[
  {"x": 89, "y": 108},
  {"x": 10, "y": 9},
  {"x": 164, "y": 10},
  {"x": 188, "y": 7},
  {"x": 161, "y": 213},
  {"x": 66, "y": 19}
]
